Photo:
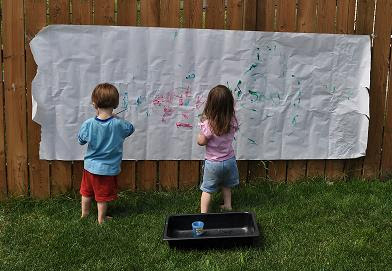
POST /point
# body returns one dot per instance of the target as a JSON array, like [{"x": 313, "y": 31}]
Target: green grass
[{"x": 304, "y": 226}]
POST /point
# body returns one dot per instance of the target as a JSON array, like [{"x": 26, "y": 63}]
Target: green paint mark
[
  {"x": 294, "y": 120},
  {"x": 251, "y": 141},
  {"x": 255, "y": 94},
  {"x": 252, "y": 67},
  {"x": 139, "y": 100}
]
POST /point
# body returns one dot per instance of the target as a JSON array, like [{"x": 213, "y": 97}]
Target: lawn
[{"x": 305, "y": 226}]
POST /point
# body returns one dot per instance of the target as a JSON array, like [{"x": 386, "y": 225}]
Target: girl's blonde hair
[{"x": 219, "y": 110}]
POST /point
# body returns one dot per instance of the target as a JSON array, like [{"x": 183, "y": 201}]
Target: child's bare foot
[
  {"x": 226, "y": 208},
  {"x": 107, "y": 218},
  {"x": 83, "y": 216}
]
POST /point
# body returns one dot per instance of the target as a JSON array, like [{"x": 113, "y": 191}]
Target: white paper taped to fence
[{"x": 298, "y": 96}]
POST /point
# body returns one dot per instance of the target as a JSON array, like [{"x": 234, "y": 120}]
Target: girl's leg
[
  {"x": 86, "y": 204},
  {"x": 226, "y": 191},
  {"x": 102, "y": 208},
  {"x": 205, "y": 202}
]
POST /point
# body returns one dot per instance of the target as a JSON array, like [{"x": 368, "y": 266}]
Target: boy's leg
[
  {"x": 102, "y": 208},
  {"x": 86, "y": 204},
  {"x": 226, "y": 191},
  {"x": 205, "y": 202}
]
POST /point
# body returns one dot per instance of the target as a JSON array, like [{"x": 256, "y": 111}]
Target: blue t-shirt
[{"x": 105, "y": 144}]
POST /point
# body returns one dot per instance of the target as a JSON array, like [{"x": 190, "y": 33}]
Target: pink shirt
[{"x": 218, "y": 148}]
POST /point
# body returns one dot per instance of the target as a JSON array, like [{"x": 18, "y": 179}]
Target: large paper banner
[{"x": 298, "y": 96}]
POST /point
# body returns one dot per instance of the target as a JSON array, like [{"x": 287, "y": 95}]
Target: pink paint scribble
[
  {"x": 167, "y": 112},
  {"x": 183, "y": 124},
  {"x": 200, "y": 100},
  {"x": 158, "y": 100}
]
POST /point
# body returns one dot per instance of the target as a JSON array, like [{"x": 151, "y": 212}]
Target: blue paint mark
[
  {"x": 190, "y": 76},
  {"x": 124, "y": 104}
]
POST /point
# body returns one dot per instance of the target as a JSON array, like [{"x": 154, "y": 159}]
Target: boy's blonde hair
[{"x": 105, "y": 95}]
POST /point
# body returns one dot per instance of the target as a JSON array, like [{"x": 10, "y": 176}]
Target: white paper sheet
[{"x": 298, "y": 96}]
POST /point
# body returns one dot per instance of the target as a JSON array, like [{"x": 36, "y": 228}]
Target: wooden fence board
[
  {"x": 285, "y": 21},
  {"x": 215, "y": 14},
  {"x": 189, "y": 171},
  {"x": 345, "y": 16},
  {"x": 149, "y": 12},
  {"x": 82, "y": 13},
  {"x": 364, "y": 26},
  {"x": 193, "y": 14},
  {"x": 379, "y": 71},
  {"x": 265, "y": 19},
  {"x": 3, "y": 169},
  {"x": 15, "y": 97},
  {"x": 35, "y": 19},
  {"x": 306, "y": 22},
  {"x": 365, "y": 17},
  {"x": 127, "y": 12},
  {"x": 251, "y": 170},
  {"x": 326, "y": 10},
  {"x": 146, "y": 171},
  {"x": 61, "y": 171},
  {"x": 126, "y": 15},
  {"x": 386, "y": 158},
  {"x": 235, "y": 11},
  {"x": 104, "y": 12},
  {"x": 325, "y": 24},
  {"x": 306, "y": 18},
  {"x": 286, "y": 16},
  {"x": 168, "y": 170}
]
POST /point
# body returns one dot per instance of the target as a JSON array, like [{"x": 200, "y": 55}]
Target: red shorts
[{"x": 103, "y": 188}]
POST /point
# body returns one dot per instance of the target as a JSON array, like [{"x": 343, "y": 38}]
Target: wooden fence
[{"x": 21, "y": 171}]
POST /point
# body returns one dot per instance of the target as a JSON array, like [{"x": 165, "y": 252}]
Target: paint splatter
[
  {"x": 256, "y": 95},
  {"x": 251, "y": 141},
  {"x": 294, "y": 120},
  {"x": 183, "y": 124},
  {"x": 190, "y": 76},
  {"x": 124, "y": 103},
  {"x": 253, "y": 66}
]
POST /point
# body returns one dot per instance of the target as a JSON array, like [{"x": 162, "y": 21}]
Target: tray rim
[{"x": 256, "y": 233}]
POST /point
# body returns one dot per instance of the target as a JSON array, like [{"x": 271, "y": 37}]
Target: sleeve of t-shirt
[
  {"x": 205, "y": 129},
  {"x": 127, "y": 128},
  {"x": 83, "y": 134}
]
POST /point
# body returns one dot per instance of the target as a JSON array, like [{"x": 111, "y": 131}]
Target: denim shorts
[{"x": 219, "y": 173}]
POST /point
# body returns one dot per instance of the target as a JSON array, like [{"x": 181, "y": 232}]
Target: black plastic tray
[{"x": 221, "y": 230}]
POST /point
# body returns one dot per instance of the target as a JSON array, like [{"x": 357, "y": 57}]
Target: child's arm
[
  {"x": 202, "y": 140},
  {"x": 82, "y": 135},
  {"x": 205, "y": 134},
  {"x": 128, "y": 128}
]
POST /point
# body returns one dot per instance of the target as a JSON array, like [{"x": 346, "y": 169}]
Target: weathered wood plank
[
  {"x": 15, "y": 97},
  {"x": 61, "y": 171},
  {"x": 127, "y": 12},
  {"x": 379, "y": 71},
  {"x": 35, "y": 19},
  {"x": 215, "y": 14}
]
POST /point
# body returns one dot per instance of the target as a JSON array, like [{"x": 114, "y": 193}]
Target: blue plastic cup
[{"x": 197, "y": 228}]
